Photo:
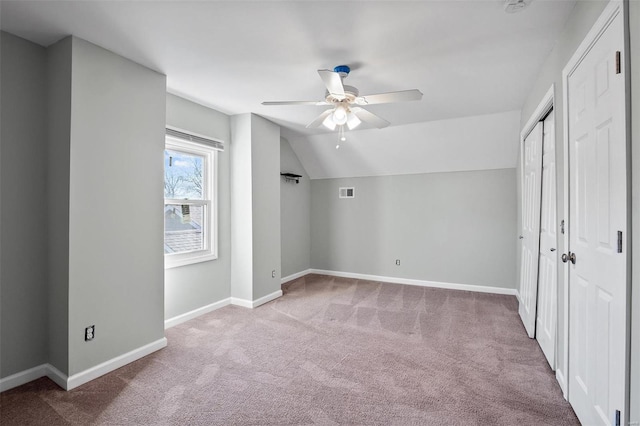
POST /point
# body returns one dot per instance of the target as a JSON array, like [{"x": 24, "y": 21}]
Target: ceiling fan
[{"x": 345, "y": 102}]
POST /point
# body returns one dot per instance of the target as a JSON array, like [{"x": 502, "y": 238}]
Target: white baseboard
[
  {"x": 242, "y": 302},
  {"x": 518, "y": 296},
  {"x": 57, "y": 376},
  {"x": 23, "y": 377},
  {"x": 83, "y": 377},
  {"x": 108, "y": 366},
  {"x": 267, "y": 298},
  {"x": 562, "y": 382},
  {"x": 295, "y": 276},
  {"x": 421, "y": 283},
  {"x": 255, "y": 303},
  {"x": 179, "y": 319}
]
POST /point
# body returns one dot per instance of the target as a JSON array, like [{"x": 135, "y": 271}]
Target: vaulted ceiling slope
[
  {"x": 469, "y": 58},
  {"x": 459, "y": 144}
]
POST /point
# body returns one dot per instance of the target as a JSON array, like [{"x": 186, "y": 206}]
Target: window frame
[{"x": 209, "y": 202}]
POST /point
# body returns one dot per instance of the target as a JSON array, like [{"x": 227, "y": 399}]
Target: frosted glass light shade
[
  {"x": 329, "y": 123},
  {"x": 340, "y": 115},
  {"x": 352, "y": 121}
]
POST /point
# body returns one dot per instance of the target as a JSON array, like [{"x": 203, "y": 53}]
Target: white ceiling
[{"x": 467, "y": 57}]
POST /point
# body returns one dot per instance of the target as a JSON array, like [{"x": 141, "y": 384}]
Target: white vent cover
[{"x": 347, "y": 192}]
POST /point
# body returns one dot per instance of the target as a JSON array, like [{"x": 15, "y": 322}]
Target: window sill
[{"x": 170, "y": 263}]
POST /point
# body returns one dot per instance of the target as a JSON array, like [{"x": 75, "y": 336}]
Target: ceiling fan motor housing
[
  {"x": 343, "y": 70},
  {"x": 351, "y": 93}
]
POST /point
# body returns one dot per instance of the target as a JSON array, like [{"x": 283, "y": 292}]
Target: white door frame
[
  {"x": 611, "y": 11},
  {"x": 539, "y": 113}
]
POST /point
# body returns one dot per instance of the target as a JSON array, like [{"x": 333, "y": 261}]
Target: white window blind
[{"x": 217, "y": 145}]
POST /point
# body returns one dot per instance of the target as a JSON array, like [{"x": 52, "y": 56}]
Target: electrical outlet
[
  {"x": 398, "y": 262},
  {"x": 273, "y": 273},
  {"x": 89, "y": 333}
]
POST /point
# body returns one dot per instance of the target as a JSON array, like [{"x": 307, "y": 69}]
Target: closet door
[
  {"x": 548, "y": 269},
  {"x": 530, "y": 236}
]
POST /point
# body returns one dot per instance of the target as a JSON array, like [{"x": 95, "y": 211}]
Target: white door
[
  {"x": 598, "y": 212},
  {"x": 531, "y": 192},
  {"x": 548, "y": 265}
]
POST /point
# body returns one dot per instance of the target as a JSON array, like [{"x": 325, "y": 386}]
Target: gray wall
[
  {"x": 255, "y": 207},
  {"x": 295, "y": 214},
  {"x": 265, "y": 163},
  {"x": 59, "y": 137},
  {"x": 582, "y": 19},
  {"x": 241, "y": 208},
  {"x": 116, "y": 278},
  {"x": 23, "y": 268},
  {"x": 447, "y": 227},
  {"x": 193, "y": 286},
  {"x": 634, "y": 21}
]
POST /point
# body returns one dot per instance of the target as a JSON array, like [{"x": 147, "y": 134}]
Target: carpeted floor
[{"x": 330, "y": 351}]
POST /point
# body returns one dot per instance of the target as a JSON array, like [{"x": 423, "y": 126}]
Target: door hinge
[
  {"x": 617, "y": 418},
  {"x": 618, "y": 65},
  {"x": 619, "y": 241},
  {"x": 562, "y": 226}
]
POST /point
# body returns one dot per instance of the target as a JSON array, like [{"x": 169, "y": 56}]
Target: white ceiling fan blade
[
  {"x": 318, "y": 121},
  {"x": 384, "y": 98},
  {"x": 333, "y": 81},
  {"x": 295, "y": 103},
  {"x": 369, "y": 117}
]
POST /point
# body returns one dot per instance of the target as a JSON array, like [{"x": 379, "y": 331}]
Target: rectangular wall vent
[{"x": 347, "y": 192}]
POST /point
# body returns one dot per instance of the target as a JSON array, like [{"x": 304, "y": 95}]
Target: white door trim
[
  {"x": 611, "y": 11},
  {"x": 541, "y": 110},
  {"x": 545, "y": 105}
]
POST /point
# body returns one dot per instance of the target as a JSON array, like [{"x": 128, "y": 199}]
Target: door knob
[
  {"x": 572, "y": 257},
  {"x": 564, "y": 258}
]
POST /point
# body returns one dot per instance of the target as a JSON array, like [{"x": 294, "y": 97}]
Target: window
[{"x": 190, "y": 208}]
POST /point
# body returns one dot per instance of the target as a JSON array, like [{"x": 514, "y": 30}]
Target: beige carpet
[{"x": 331, "y": 351}]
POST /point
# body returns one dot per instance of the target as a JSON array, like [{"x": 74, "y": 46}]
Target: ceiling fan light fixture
[
  {"x": 329, "y": 123},
  {"x": 352, "y": 121},
  {"x": 340, "y": 115}
]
